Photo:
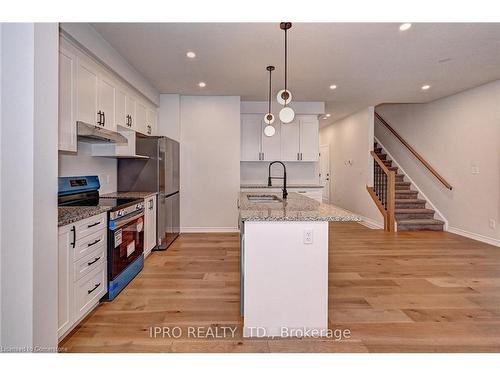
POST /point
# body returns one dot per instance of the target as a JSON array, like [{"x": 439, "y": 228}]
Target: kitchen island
[{"x": 284, "y": 264}]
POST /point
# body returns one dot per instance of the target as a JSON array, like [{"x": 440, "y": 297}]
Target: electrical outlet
[
  {"x": 493, "y": 223},
  {"x": 108, "y": 178},
  {"x": 474, "y": 169},
  {"x": 308, "y": 236}
]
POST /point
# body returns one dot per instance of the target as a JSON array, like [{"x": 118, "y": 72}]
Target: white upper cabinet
[
  {"x": 67, "y": 98},
  {"x": 290, "y": 141},
  {"x": 140, "y": 118},
  {"x": 296, "y": 141},
  {"x": 89, "y": 92},
  {"x": 309, "y": 138},
  {"x": 88, "y": 79},
  {"x": 121, "y": 108},
  {"x": 151, "y": 121},
  {"x": 271, "y": 146},
  {"x": 130, "y": 109},
  {"x": 251, "y": 130},
  {"x": 106, "y": 102}
]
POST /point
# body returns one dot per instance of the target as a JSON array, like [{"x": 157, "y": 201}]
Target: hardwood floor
[{"x": 403, "y": 292}]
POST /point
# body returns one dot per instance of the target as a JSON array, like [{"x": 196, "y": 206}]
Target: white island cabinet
[{"x": 284, "y": 264}]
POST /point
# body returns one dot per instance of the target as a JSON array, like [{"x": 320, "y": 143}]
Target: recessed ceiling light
[
  {"x": 333, "y": 87},
  {"x": 191, "y": 54},
  {"x": 426, "y": 87},
  {"x": 404, "y": 26},
  {"x": 202, "y": 84},
  {"x": 327, "y": 115}
]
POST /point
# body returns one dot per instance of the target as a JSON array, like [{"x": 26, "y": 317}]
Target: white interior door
[{"x": 324, "y": 166}]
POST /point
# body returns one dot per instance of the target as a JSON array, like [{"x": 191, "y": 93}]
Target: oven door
[{"x": 126, "y": 242}]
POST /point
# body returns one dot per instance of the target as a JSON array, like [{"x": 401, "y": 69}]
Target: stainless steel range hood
[{"x": 94, "y": 134}]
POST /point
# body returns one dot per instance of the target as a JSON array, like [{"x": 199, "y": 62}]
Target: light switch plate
[{"x": 493, "y": 223}]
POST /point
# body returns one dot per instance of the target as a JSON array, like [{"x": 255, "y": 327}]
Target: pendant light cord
[
  {"x": 270, "y": 72},
  {"x": 286, "y": 66}
]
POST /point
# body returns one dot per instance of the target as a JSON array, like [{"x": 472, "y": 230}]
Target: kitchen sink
[{"x": 263, "y": 198}]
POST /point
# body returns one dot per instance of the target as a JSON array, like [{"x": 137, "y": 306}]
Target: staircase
[{"x": 410, "y": 211}]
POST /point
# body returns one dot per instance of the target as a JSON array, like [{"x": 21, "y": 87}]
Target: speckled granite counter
[
  {"x": 289, "y": 186},
  {"x": 129, "y": 194},
  {"x": 296, "y": 207},
  {"x": 71, "y": 214}
]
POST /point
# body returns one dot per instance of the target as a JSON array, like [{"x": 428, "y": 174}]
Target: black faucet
[{"x": 269, "y": 178}]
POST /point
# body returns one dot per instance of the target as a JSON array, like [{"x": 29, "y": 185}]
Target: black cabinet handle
[
  {"x": 93, "y": 225},
  {"x": 94, "y": 288},
  {"x": 93, "y": 243},
  {"x": 74, "y": 236},
  {"x": 95, "y": 260},
  {"x": 99, "y": 122},
  {"x": 103, "y": 119}
]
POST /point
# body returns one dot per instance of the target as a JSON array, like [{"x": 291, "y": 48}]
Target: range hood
[{"x": 94, "y": 134}]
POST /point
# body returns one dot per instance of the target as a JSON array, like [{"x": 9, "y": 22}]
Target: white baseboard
[
  {"x": 475, "y": 236},
  {"x": 209, "y": 230},
  {"x": 370, "y": 223}
]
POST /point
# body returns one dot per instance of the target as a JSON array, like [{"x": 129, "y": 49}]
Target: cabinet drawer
[
  {"x": 89, "y": 244},
  {"x": 90, "y": 225},
  {"x": 89, "y": 262},
  {"x": 90, "y": 289}
]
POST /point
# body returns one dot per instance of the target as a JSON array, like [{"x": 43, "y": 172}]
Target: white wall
[
  {"x": 91, "y": 40},
  {"x": 83, "y": 164},
  {"x": 455, "y": 135},
  {"x": 169, "y": 117},
  {"x": 297, "y": 173},
  {"x": 0, "y": 183},
  {"x": 210, "y": 162},
  {"x": 29, "y": 185},
  {"x": 352, "y": 139}
]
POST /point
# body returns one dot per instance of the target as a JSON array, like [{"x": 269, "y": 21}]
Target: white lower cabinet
[
  {"x": 149, "y": 224},
  {"x": 82, "y": 269}
]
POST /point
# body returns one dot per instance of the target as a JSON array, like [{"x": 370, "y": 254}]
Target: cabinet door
[
  {"x": 130, "y": 109},
  {"x": 87, "y": 91},
  {"x": 251, "y": 136},
  {"x": 309, "y": 138},
  {"x": 290, "y": 141},
  {"x": 67, "y": 102},
  {"x": 140, "y": 117},
  {"x": 65, "y": 282},
  {"x": 151, "y": 121},
  {"x": 271, "y": 146},
  {"x": 121, "y": 107},
  {"x": 106, "y": 102}
]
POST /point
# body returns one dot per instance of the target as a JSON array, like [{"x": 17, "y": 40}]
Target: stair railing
[
  {"x": 383, "y": 191},
  {"x": 413, "y": 151}
]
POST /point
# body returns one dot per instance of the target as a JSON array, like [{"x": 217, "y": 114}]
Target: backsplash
[
  {"x": 297, "y": 173},
  {"x": 83, "y": 164}
]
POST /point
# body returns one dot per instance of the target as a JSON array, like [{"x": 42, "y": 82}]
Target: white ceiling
[{"x": 371, "y": 63}]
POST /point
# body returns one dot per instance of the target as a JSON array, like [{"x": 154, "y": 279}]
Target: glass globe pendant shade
[
  {"x": 269, "y": 130},
  {"x": 287, "y": 115},
  {"x": 268, "y": 118},
  {"x": 284, "y": 97}
]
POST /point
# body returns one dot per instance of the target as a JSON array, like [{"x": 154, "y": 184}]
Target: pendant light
[
  {"x": 285, "y": 96},
  {"x": 269, "y": 117}
]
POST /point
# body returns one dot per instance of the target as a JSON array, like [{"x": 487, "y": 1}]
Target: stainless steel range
[{"x": 125, "y": 228}]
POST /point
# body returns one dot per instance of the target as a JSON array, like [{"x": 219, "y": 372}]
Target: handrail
[
  {"x": 415, "y": 153},
  {"x": 388, "y": 210}
]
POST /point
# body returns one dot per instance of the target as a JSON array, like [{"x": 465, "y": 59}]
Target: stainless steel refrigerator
[{"x": 160, "y": 173}]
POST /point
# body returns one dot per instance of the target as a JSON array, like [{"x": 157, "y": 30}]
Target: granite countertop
[
  {"x": 296, "y": 207},
  {"x": 129, "y": 194},
  {"x": 290, "y": 186},
  {"x": 71, "y": 214}
]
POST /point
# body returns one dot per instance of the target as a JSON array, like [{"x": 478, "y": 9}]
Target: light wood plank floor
[{"x": 404, "y": 292}]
